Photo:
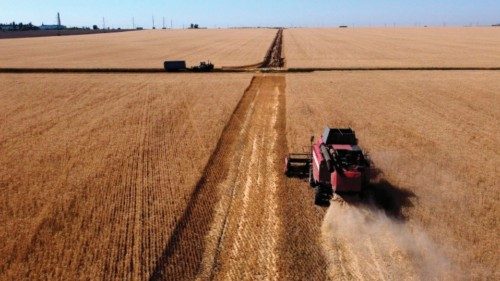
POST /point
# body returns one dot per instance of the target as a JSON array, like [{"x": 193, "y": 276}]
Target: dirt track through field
[
  {"x": 242, "y": 242},
  {"x": 237, "y": 224},
  {"x": 273, "y": 57}
]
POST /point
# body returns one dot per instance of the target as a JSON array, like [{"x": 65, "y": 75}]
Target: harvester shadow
[
  {"x": 189, "y": 219},
  {"x": 381, "y": 195},
  {"x": 384, "y": 196}
]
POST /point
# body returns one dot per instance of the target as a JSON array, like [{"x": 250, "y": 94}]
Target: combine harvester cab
[{"x": 336, "y": 164}]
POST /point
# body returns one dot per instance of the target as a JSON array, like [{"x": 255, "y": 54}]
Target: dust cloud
[{"x": 362, "y": 242}]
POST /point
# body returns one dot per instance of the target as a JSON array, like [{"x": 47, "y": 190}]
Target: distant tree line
[
  {"x": 18, "y": 26},
  {"x": 13, "y": 26}
]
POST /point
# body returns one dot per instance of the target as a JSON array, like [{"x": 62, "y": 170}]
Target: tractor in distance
[
  {"x": 180, "y": 66},
  {"x": 335, "y": 164},
  {"x": 203, "y": 67}
]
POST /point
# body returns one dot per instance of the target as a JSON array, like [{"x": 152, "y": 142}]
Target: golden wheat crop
[
  {"x": 97, "y": 169},
  {"x": 177, "y": 177},
  {"x": 224, "y": 47},
  {"x": 435, "y": 136},
  {"x": 393, "y": 47}
]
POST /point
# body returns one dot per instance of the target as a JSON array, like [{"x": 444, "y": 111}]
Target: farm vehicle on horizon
[{"x": 177, "y": 66}]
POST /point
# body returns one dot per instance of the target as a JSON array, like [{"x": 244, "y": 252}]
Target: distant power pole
[
  {"x": 103, "y": 23},
  {"x": 153, "y": 17},
  {"x": 171, "y": 24},
  {"x": 133, "y": 22},
  {"x": 163, "y": 23},
  {"x": 58, "y": 20}
]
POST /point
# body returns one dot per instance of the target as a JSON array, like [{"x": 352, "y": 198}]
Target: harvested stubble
[
  {"x": 434, "y": 135},
  {"x": 393, "y": 47},
  {"x": 224, "y": 47},
  {"x": 96, "y": 169}
]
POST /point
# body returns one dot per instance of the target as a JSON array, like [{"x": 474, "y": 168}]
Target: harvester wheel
[
  {"x": 318, "y": 200},
  {"x": 312, "y": 182}
]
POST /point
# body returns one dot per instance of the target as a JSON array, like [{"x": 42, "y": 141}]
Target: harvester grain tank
[{"x": 335, "y": 164}]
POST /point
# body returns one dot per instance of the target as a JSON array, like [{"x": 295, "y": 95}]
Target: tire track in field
[
  {"x": 182, "y": 255},
  {"x": 300, "y": 244},
  {"x": 273, "y": 57},
  {"x": 242, "y": 242}
]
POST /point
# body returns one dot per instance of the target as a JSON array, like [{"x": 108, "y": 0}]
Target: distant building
[{"x": 51, "y": 27}]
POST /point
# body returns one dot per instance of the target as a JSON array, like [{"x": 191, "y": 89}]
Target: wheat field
[
  {"x": 180, "y": 176},
  {"x": 139, "y": 49},
  {"x": 393, "y": 47},
  {"x": 435, "y": 136},
  {"x": 97, "y": 169}
]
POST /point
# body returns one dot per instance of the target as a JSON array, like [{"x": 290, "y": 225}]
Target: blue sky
[{"x": 224, "y": 13}]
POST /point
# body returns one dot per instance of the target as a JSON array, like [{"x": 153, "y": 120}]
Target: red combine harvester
[{"x": 336, "y": 164}]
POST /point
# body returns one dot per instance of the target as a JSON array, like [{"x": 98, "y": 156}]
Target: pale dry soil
[
  {"x": 435, "y": 137},
  {"x": 393, "y": 47},
  {"x": 139, "y": 49},
  {"x": 96, "y": 170}
]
